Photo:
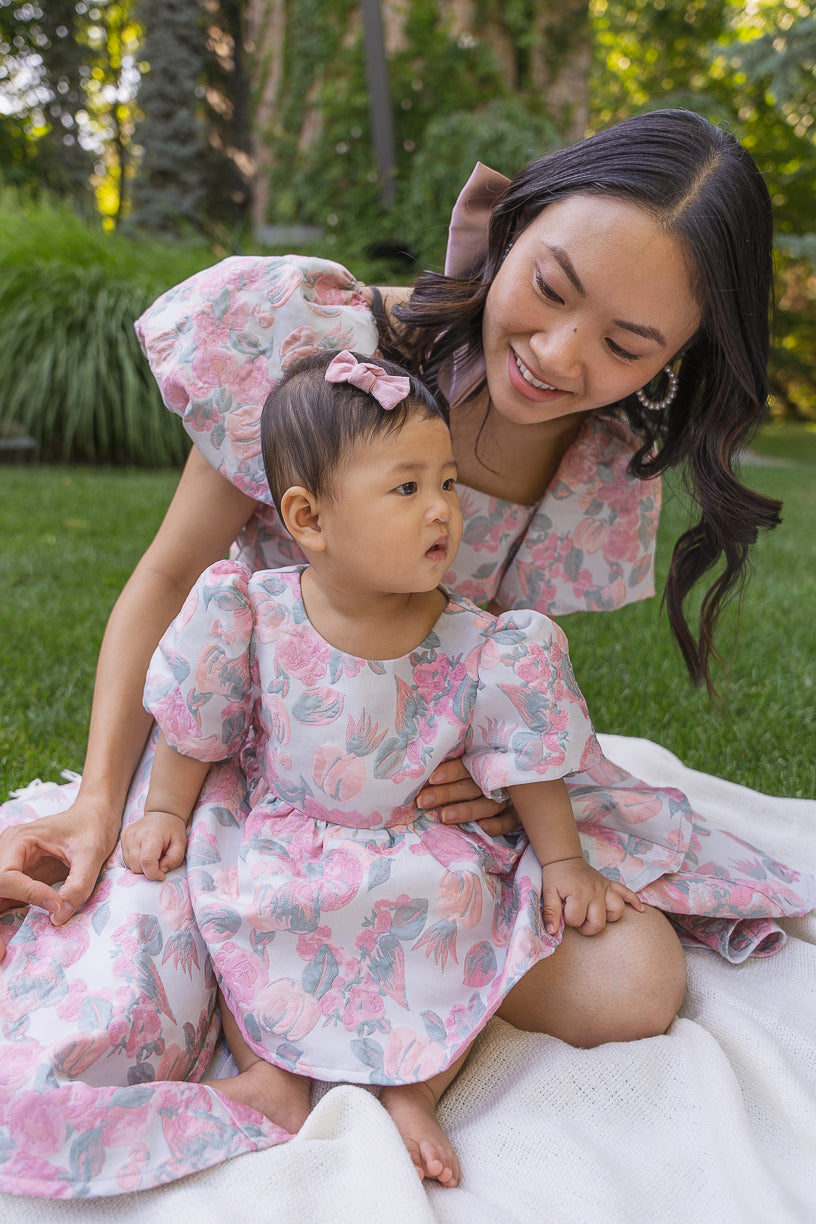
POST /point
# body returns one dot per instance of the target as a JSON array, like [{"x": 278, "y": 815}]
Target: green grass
[
  {"x": 70, "y": 538},
  {"x": 763, "y": 732},
  {"x": 72, "y": 535}
]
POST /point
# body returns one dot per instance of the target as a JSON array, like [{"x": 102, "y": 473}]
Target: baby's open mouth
[{"x": 438, "y": 549}]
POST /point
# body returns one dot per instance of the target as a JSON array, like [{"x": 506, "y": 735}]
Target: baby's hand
[
  {"x": 154, "y": 844},
  {"x": 588, "y": 899}
]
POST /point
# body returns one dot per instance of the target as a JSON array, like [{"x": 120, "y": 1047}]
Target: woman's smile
[{"x": 533, "y": 383}]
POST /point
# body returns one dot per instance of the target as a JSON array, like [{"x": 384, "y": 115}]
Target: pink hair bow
[{"x": 387, "y": 389}]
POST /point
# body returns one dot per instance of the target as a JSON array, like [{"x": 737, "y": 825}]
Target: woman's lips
[{"x": 524, "y": 381}]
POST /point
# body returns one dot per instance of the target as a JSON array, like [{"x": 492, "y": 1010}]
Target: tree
[
  {"x": 169, "y": 190},
  {"x": 750, "y": 67},
  {"x": 482, "y": 66},
  {"x": 44, "y": 69},
  {"x": 110, "y": 88},
  {"x": 194, "y": 134},
  {"x": 70, "y": 73},
  {"x": 228, "y": 164}
]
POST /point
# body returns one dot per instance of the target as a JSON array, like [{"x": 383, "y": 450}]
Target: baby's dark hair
[{"x": 309, "y": 427}]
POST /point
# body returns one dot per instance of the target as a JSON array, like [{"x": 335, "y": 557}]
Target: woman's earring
[{"x": 659, "y": 405}]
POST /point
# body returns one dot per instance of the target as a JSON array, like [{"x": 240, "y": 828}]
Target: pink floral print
[
  {"x": 407, "y": 908},
  {"x": 128, "y": 1110}
]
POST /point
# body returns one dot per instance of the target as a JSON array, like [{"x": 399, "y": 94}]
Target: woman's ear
[{"x": 300, "y": 513}]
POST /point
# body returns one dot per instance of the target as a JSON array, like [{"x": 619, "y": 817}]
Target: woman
[{"x": 619, "y": 299}]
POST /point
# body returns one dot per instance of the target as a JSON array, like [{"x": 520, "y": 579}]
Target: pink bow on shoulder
[{"x": 387, "y": 389}]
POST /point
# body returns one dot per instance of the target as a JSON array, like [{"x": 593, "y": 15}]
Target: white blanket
[{"x": 714, "y": 1122}]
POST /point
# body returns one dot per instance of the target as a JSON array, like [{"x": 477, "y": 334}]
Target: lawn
[{"x": 72, "y": 535}]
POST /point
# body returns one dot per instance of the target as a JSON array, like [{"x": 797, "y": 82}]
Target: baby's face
[{"x": 393, "y": 523}]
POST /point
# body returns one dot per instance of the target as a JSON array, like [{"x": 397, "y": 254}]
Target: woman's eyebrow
[
  {"x": 648, "y": 333},
  {"x": 567, "y": 267}
]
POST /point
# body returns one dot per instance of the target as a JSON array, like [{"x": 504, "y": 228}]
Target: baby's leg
[
  {"x": 279, "y": 1095},
  {"x": 413, "y": 1109}
]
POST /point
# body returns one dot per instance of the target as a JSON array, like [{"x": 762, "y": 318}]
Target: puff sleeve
[
  {"x": 218, "y": 342},
  {"x": 530, "y": 722},
  {"x": 199, "y": 684}
]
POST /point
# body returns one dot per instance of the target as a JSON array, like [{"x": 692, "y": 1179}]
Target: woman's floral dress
[
  {"x": 357, "y": 938},
  {"x": 107, "y": 1021}
]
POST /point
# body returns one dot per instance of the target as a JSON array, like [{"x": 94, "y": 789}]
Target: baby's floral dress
[
  {"x": 355, "y": 937},
  {"x": 108, "y": 1023}
]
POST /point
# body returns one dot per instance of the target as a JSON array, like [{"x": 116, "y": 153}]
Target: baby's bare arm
[
  {"x": 570, "y": 885},
  {"x": 157, "y": 842}
]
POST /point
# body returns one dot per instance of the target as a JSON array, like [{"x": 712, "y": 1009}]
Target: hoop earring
[{"x": 659, "y": 405}]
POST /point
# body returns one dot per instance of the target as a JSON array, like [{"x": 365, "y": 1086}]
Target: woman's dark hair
[
  {"x": 309, "y": 427},
  {"x": 701, "y": 186}
]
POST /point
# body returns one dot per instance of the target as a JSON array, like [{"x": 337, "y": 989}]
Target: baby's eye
[
  {"x": 407, "y": 489},
  {"x": 449, "y": 485},
  {"x": 547, "y": 291}
]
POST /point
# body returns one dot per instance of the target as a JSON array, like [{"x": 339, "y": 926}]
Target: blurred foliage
[
  {"x": 752, "y": 68},
  {"x": 69, "y": 73},
  {"x": 324, "y": 170},
  {"x": 74, "y": 377},
  {"x": 502, "y": 133}
]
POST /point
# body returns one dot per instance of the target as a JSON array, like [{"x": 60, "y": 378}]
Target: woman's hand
[
  {"x": 588, "y": 899},
  {"x": 451, "y": 789},
  {"x": 70, "y": 846}
]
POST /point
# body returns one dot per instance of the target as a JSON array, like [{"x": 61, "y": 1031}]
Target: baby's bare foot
[
  {"x": 412, "y": 1107},
  {"x": 277, "y": 1094}
]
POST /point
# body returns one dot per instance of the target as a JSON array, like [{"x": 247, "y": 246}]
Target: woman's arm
[{"x": 203, "y": 519}]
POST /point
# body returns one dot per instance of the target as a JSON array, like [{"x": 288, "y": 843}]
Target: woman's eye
[
  {"x": 408, "y": 488},
  {"x": 547, "y": 291},
  {"x": 622, "y": 352}
]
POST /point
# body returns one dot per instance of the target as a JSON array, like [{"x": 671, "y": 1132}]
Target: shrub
[
  {"x": 503, "y": 134},
  {"x": 73, "y": 374}
]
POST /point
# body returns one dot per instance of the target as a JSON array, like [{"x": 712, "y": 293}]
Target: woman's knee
[
  {"x": 625, "y": 983},
  {"x": 649, "y": 976}
]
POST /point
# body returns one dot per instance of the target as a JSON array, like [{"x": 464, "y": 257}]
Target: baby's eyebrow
[{"x": 419, "y": 465}]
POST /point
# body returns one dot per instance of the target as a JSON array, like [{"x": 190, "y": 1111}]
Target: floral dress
[
  {"x": 356, "y": 937},
  {"x": 108, "y": 1024}
]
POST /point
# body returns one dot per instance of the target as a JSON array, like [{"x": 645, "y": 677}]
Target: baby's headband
[{"x": 387, "y": 389}]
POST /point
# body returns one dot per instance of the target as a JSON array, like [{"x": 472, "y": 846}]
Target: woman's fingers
[
  {"x": 452, "y": 791},
  {"x": 20, "y": 889},
  {"x": 41, "y": 854},
  {"x": 437, "y": 796}
]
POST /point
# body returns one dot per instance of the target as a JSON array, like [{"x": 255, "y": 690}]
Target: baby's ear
[{"x": 300, "y": 513}]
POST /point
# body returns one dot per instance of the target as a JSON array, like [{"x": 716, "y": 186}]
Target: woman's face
[{"x": 590, "y": 302}]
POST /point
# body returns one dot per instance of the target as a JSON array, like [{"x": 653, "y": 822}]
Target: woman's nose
[{"x": 558, "y": 349}]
